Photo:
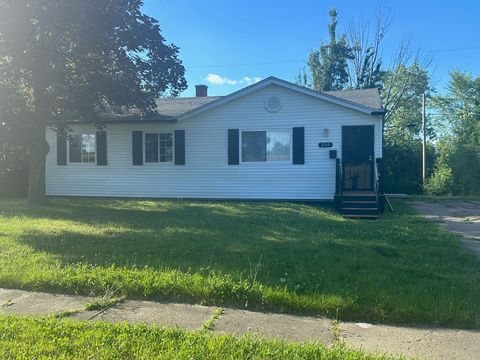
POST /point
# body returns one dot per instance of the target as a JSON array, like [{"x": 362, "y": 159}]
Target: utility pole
[{"x": 424, "y": 143}]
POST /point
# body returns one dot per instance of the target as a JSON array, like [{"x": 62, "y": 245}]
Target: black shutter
[
  {"x": 101, "y": 148},
  {"x": 179, "y": 147},
  {"x": 61, "y": 148},
  {"x": 233, "y": 147},
  {"x": 298, "y": 145},
  {"x": 137, "y": 147}
]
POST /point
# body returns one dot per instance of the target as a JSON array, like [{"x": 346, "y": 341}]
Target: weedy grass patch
[
  {"x": 276, "y": 256},
  {"x": 47, "y": 337}
]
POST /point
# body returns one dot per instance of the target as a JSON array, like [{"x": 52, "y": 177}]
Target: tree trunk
[
  {"x": 37, "y": 151},
  {"x": 37, "y": 145}
]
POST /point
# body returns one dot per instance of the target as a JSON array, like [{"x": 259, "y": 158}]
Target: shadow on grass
[{"x": 398, "y": 269}]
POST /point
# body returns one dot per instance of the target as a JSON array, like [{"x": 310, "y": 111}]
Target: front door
[{"x": 358, "y": 157}]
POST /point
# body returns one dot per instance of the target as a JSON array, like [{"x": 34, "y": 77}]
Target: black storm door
[{"x": 358, "y": 158}]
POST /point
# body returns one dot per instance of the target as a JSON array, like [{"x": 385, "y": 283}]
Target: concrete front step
[
  {"x": 359, "y": 204},
  {"x": 359, "y": 198}
]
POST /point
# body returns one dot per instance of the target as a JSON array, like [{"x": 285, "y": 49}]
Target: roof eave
[
  {"x": 275, "y": 81},
  {"x": 112, "y": 119}
]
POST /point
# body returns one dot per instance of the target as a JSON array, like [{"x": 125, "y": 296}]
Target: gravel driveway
[{"x": 461, "y": 217}]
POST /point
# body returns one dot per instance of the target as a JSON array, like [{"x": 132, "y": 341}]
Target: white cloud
[
  {"x": 216, "y": 79},
  {"x": 251, "y": 80},
  {"x": 219, "y": 80}
]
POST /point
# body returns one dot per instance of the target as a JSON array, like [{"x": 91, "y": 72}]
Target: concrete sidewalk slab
[
  {"x": 419, "y": 342},
  {"x": 185, "y": 316},
  {"x": 423, "y": 343},
  {"x": 287, "y": 327},
  {"x": 35, "y": 303}
]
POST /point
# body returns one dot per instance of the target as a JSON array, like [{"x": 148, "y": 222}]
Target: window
[
  {"x": 159, "y": 147},
  {"x": 254, "y": 146},
  {"x": 166, "y": 147},
  {"x": 278, "y": 145},
  {"x": 151, "y": 148},
  {"x": 265, "y": 146},
  {"x": 82, "y": 148}
]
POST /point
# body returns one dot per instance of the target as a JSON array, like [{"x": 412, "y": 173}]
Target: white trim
[
  {"x": 282, "y": 83},
  {"x": 82, "y": 163},
  {"x": 158, "y": 163}
]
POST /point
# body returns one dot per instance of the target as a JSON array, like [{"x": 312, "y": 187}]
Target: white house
[{"x": 270, "y": 140}]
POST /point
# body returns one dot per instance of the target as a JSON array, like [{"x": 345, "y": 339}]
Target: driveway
[{"x": 461, "y": 217}]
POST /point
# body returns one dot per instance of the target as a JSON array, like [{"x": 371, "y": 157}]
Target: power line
[
  {"x": 247, "y": 64},
  {"x": 279, "y": 62},
  {"x": 455, "y": 49},
  {"x": 452, "y": 114}
]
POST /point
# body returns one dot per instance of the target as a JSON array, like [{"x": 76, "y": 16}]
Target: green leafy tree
[
  {"x": 356, "y": 63},
  {"x": 458, "y": 166},
  {"x": 77, "y": 58},
  {"x": 403, "y": 88},
  {"x": 402, "y": 91},
  {"x": 327, "y": 66}
]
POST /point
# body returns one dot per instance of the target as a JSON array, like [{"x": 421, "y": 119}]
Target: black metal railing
[
  {"x": 380, "y": 193},
  {"x": 339, "y": 178}
]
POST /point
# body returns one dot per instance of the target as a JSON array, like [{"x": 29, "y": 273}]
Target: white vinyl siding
[{"x": 206, "y": 173}]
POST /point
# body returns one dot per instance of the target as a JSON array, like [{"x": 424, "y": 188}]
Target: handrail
[
  {"x": 339, "y": 180},
  {"x": 338, "y": 183},
  {"x": 377, "y": 183}
]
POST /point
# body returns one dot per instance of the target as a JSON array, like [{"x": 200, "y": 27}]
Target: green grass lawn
[
  {"x": 283, "y": 257},
  {"x": 49, "y": 338}
]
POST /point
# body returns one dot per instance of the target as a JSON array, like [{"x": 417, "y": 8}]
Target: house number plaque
[{"x": 325, "y": 144}]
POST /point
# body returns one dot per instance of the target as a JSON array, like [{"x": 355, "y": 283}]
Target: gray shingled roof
[
  {"x": 170, "y": 109},
  {"x": 178, "y": 106},
  {"x": 367, "y": 97}
]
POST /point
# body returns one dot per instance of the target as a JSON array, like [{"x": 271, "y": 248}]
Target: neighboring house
[{"x": 270, "y": 140}]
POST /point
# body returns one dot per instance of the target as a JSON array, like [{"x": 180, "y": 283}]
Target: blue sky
[{"x": 230, "y": 44}]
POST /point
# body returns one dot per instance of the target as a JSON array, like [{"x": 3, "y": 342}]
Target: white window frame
[
  {"x": 289, "y": 161},
  {"x": 158, "y": 163},
  {"x": 81, "y": 162}
]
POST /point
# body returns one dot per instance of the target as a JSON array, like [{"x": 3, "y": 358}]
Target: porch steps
[{"x": 360, "y": 205}]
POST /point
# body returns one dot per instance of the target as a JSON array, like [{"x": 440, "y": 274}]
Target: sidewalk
[{"x": 426, "y": 343}]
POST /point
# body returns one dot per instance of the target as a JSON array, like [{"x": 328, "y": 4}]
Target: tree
[
  {"x": 402, "y": 81},
  {"x": 403, "y": 84},
  {"x": 403, "y": 87},
  {"x": 365, "y": 67},
  {"x": 13, "y": 130},
  {"x": 79, "y": 57},
  {"x": 327, "y": 67},
  {"x": 458, "y": 166}
]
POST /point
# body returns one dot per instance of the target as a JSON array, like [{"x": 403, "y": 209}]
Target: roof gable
[{"x": 366, "y": 101}]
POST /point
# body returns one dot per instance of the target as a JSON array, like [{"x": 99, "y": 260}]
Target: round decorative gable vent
[{"x": 273, "y": 104}]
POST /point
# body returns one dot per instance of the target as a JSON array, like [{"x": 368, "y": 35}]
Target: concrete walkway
[
  {"x": 425, "y": 343},
  {"x": 461, "y": 217}
]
